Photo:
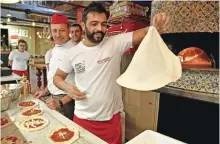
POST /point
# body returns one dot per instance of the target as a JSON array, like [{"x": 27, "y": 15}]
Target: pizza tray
[
  {"x": 40, "y": 137},
  {"x": 151, "y": 137}
]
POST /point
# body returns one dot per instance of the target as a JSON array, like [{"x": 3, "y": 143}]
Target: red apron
[
  {"x": 109, "y": 131},
  {"x": 21, "y": 73}
]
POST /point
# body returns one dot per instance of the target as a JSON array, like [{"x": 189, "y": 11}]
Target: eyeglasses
[{"x": 21, "y": 45}]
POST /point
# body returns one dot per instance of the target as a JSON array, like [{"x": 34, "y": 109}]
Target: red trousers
[
  {"x": 21, "y": 73},
  {"x": 109, "y": 131}
]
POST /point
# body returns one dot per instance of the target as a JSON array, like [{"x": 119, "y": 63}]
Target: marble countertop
[
  {"x": 213, "y": 98},
  {"x": 55, "y": 120},
  {"x": 12, "y": 77}
]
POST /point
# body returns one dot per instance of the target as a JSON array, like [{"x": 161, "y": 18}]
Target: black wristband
[{"x": 61, "y": 103}]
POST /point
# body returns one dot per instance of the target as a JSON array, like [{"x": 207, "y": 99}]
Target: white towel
[{"x": 153, "y": 65}]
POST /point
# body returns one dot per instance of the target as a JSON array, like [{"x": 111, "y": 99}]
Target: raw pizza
[
  {"x": 34, "y": 124},
  {"x": 6, "y": 121},
  {"x": 27, "y": 104},
  {"x": 63, "y": 135},
  {"x": 31, "y": 112},
  {"x": 11, "y": 140}
]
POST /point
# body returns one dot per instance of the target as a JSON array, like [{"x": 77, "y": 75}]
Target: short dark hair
[
  {"x": 94, "y": 7},
  {"x": 76, "y": 25},
  {"x": 22, "y": 41}
]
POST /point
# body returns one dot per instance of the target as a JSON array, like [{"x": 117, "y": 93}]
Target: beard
[{"x": 92, "y": 36}]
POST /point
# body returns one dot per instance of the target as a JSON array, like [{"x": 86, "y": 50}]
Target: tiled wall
[{"x": 198, "y": 80}]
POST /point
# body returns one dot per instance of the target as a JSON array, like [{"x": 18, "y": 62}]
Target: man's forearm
[
  {"x": 46, "y": 89},
  {"x": 10, "y": 62},
  {"x": 66, "y": 99},
  {"x": 139, "y": 35},
  {"x": 60, "y": 83}
]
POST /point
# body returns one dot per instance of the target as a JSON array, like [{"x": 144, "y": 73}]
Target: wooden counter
[
  {"x": 5, "y": 52},
  {"x": 41, "y": 68}
]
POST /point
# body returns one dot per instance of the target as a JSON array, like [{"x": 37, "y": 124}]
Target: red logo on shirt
[{"x": 103, "y": 60}]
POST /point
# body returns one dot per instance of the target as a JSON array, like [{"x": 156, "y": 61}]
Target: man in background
[
  {"x": 18, "y": 59},
  {"x": 76, "y": 33},
  {"x": 58, "y": 99}
]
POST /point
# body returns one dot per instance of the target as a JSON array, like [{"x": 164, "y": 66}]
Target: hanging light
[
  {"x": 33, "y": 23},
  {"x": 9, "y": 1},
  {"x": 48, "y": 37},
  {"x": 45, "y": 34}
]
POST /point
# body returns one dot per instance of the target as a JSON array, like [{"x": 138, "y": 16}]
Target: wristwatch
[{"x": 61, "y": 103}]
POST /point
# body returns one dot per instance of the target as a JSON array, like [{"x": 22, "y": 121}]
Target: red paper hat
[{"x": 58, "y": 19}]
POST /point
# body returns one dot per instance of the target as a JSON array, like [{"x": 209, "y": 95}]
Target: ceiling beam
[
  {"x": 36, "y": 10},
  {"x": 72, "y": 4},
  {"x": 23, "y": 19}
]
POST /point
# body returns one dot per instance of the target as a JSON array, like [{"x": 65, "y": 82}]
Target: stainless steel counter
[
  {"x": 12, "y": 77},
  {"x": 213, "y": 98}
]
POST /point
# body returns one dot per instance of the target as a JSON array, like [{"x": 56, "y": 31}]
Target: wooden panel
[{"x": 141, "y": 110}]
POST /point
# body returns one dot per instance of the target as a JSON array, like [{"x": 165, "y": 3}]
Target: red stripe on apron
[
  {"x": 109, "y": 131},
  {"x": 21, "y": 73}
]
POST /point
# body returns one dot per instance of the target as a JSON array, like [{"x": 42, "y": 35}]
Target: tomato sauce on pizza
[
  {"x": 26, "y": 103},
  {"x": 10, "y": 140},
  {"x": 37, "y": 122},
  {"x": 61, "y": 135},
  {"x": 32, "y": 112},
  {"x": 4, "y": 121}
]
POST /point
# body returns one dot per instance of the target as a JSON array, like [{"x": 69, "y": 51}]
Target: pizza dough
[
  {"x": 27, "y": 104},
  {"x": 11, "y": 140},
  {"x": 31, "y": 112},
  {"x": 63, "y": 135},
  {"x": 153, "y": 65},
  {"x": 6, "y": 121},
  {"x": 34, "y": 124}
]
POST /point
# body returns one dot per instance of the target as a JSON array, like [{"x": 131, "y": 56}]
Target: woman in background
[{"x": 18, "y": 59}]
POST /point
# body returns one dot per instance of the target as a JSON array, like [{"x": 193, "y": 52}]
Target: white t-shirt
[
  {"x": 48, "y": 56},
  {"x": 96, "y": 70},
  {"x": 57, "y": 54},
  {"x": 19, "y": 60}
]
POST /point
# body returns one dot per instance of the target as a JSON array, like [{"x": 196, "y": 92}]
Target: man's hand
[
  {"x": 161, "y": 22},
  {"x": 75, "y": 93},
  {"x": 39, "y": 94},
  {"x": 52, "y": 104}
]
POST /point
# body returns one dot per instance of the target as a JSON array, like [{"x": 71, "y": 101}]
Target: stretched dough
[{"x": 153, "y": 65}]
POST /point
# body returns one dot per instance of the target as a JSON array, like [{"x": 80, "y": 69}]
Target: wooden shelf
[{"x": 5, "y": 52}]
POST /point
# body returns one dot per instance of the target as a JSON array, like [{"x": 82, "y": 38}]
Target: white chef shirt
[
  {"x": 48, "y": 56},
  {"x": 57, "y": 54},
  {"x": 96, "y": 70},
  {"x": 19, "y": 60}
]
